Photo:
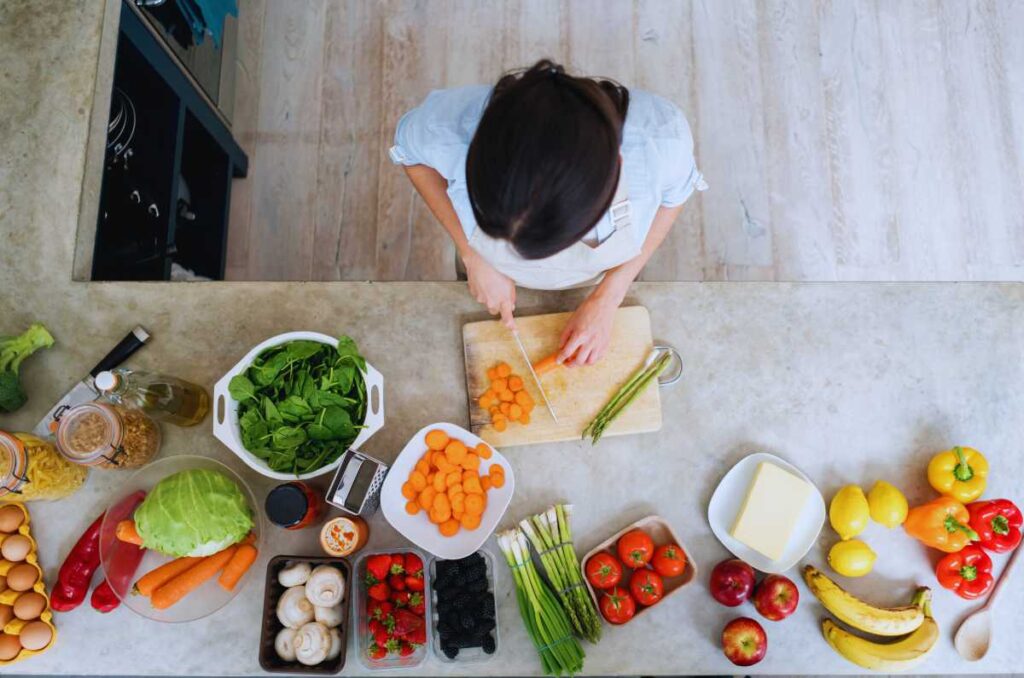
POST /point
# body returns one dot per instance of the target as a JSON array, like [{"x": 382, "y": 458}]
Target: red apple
[
  {"x": 744, "y": 641},
  {"x": 732, "y": 582},
  {"x": 776, "y": 597}
]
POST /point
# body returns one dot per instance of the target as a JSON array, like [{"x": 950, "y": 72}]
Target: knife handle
[{"x": 125, "y": 348}]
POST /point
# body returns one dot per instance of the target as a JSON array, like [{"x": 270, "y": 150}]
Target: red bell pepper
[
  {"x": 967, "y": 573},
  {"x": 998, "y": 524},
  {"x": 123, "y": 560}
]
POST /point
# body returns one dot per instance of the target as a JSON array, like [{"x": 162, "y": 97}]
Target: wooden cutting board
[{"x": 577, "y": 394}]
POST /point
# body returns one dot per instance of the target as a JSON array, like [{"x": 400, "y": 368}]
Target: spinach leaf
[
  {"x": 241, "y": 389},
  {"x": 288, "y": 437},
  {"x": 303, "y": 349},
  {"x": 339, "y": 422}
]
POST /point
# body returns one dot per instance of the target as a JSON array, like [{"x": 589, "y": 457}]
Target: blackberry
[
  {"x": 488, "y": 644},
  {"x": 467, "y": 620},
  {"x": 477, "y": 585},
  {"x": 450, "y": 651},
  {"x": 487, "y": 607},
  {"x": 462, "y": 601}
]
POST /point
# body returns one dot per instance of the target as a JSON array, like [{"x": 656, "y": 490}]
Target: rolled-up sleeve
[
  {"x": 678, "y": 172},
  {"x": 409, "y": 147}
]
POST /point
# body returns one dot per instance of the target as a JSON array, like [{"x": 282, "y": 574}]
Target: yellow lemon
[
  {"x": 849, "y": 512},
  {"x": 887, "y": 504},
  {"x": 851, "y": 558}
]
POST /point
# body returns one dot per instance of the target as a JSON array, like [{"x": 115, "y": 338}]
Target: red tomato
[
  {"x": 669, "y": 560},
  {"x": 635, "y": 549},
  {"x": 646, "y": 586},
  {"x": 604, "y": 571},
  {"x": 617, "y": 606}
]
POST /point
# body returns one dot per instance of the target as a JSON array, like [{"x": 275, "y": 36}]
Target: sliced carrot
[
  {"x": 449, "y": 528},
  {"x": 492, "y": 373},
  {"x": 506, "y": 396},
  {"x": 412, "y": 508},
  {"x": 524, "y": 418},
  {"x": 238, "y": 565},
  {"x": 408, "y": 491},
  {"x": 426, "y": 497},
  {"x": 191, "y": 579},
  {"x": 455, "y": 452},
  {"x": 546, "y": 364},
  {"x": 455, "y": 490},
  {"x": 527, "y": 407},
  {"x": 483, "y": 450},
  {"x": 451, "y": 478},
  {"x": 127, "y": 533},
  {"x": 472, "y": 486},
  {"x": 471, "y": 462},
  {"x": 494, "y": 409},
  {"x": 469, "y": 521},
  {"x": 515, "y": 411},
  {"x": 500, "y": 424},
  {"x": 439, "y": 482},
  {"x": 495, "y": 468},
  {"x": 497, "y": 480},
  {"x": 475, "y": 504},
  {"x": 436, "y": 439},
  {"x": 523, "y": 398},
  {"x": 417, "y": 480},
  {"x": 467, "y": 474},
  {"x": 515, "y": 383},
  {"x": 159, "y": 576},
  {"x": 504, "y": 370},
  {"x": 505, "y": 408},
  {"x": 423, "y": 466},
  {"x": 485, "y": 482}
]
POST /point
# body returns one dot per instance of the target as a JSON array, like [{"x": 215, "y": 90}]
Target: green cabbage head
[{"x": 193, "y": 513}]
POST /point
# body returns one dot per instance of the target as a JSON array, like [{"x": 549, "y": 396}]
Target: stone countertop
[{"x": 850, "y": 382}]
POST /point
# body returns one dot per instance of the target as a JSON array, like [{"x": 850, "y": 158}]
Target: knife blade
[
  {"x": 85, "y": 390},
  {"x": 536, "y": 380}
]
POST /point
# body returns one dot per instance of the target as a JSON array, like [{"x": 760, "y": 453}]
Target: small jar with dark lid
[
  {"x": 293, "y": 505},
  {"x": 108, "y": 436}
]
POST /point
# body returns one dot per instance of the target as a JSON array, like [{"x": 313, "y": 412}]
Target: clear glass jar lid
[
  {"x": 13, "y": 464},
  {"x": 90, "y": 434}
]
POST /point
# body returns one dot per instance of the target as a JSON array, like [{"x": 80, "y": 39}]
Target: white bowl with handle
[{"x": 225, "y": 413}]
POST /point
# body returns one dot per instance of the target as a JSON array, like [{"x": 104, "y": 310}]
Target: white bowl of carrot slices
[
  {"x": 447, "y": 490},
  {"x": 159, "y": 586}
]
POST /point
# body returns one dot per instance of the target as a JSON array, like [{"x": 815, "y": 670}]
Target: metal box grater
[{"x": 356, "y": 486}]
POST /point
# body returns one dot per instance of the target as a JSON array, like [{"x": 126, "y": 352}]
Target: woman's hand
[
  {"x": 490, "y": 287},
  {"x": 589, "y": 331}
]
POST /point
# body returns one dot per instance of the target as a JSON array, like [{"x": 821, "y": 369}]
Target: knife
[
  {"x": 85, "y": 391},
  {"x": 536, "y": 380}
]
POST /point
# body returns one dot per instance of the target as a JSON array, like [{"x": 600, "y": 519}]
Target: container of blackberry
[{"x": 464, "y": 621}]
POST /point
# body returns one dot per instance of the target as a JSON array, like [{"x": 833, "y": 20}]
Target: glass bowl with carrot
[{"x": 180, "y": 541}]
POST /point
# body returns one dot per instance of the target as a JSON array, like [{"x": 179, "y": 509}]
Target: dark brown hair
[{"x": 544, "y": 162}]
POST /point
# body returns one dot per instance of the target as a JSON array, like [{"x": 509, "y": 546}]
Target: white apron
[{"x": 578, "y": 265}]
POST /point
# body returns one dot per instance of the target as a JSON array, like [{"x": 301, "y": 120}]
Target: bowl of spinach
[{"x": 293, "y": 405}]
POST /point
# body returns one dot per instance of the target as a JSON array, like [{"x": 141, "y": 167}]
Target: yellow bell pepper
[{"x": 959, "y": 473}]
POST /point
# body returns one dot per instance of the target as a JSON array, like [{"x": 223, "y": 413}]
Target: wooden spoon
[{"x": 975, "y": 633}]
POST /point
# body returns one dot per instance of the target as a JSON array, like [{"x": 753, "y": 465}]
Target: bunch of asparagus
[
  {"x": 622, "y": 399},
  {"x": 551, "y": 536}
]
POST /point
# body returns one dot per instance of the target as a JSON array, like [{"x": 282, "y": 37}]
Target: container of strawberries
[{"x": 392, "y": 606}]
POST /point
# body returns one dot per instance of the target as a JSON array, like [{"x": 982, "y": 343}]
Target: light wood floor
[{"x": 842, "y": 139}]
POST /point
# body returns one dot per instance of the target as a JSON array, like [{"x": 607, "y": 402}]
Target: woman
[{"x": 551, "y": 181}]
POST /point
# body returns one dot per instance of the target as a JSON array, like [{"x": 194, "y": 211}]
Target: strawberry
[
  {"x": 376, "y": 652},
  {"x": 417, "y": 636},
  {"x": 377, "y": 567},
  {"x": 396, "y": 582},
  {"x": 397, "y": 563},
  {"x": 409, "y": 627},
  {"x": 413, "y": 565},
  {"x": 392, "y": 646},
  {"x": 380, "y": 636},
  {"x": 417, "y": 604},
  {"x": 406, "y": 649},
  {"x": 414, "y": 583},
  {"x": 375, "y": 625},
  {"x": 378, "y": 609},
  {"x": 379, "y": 592},
  {"x": 400, "y": 598}
]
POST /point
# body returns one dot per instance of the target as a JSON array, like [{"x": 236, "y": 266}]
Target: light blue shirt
[{"x": 657, "y": 152}]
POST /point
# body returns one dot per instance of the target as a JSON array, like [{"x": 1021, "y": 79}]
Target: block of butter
[{"x": 771, "y": 509}]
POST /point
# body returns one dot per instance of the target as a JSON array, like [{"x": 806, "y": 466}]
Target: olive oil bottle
[{"x": 164, "y": 398}]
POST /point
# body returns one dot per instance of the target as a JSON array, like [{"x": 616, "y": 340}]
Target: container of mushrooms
[
  {"x": 305, "y": 615},
  {"x": 26, "y": 626}
]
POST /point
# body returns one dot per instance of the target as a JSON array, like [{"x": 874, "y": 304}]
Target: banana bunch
[{"x": 913, "y": 622}]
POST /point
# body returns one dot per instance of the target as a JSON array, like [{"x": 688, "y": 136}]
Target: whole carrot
[
  {"x": 191, "y": 579},
  {"x": 126, "y": 532},
  {"x": 159, "y": 576},
  {"x": 239, "y": 564},
  {"x": 546, "y": 364}
]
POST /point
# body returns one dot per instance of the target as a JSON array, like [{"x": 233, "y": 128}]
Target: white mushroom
[
  {"x": 335, "y": 644},
  {"x": 325, "y": 586},
  {"x": 295, "y": 574},
  {"x": 283, "y": 644},
  {"x": 294, "y": 608},
  {"x": 328, "y": 616},
  {"x": 312, "y": 643}
]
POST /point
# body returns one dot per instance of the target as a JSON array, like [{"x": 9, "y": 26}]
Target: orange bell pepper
[{"x": 941, "y": 524}]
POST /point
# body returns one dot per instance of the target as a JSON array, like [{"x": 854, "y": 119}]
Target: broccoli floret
[{"x": 13, "y": 350}]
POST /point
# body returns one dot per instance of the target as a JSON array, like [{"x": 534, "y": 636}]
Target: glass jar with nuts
[{"x": 107, "y": 436}]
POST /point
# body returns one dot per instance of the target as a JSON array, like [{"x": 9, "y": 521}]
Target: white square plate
[
  {"x": 728, "y": 499},
  {"x": 418, "y": 529}
]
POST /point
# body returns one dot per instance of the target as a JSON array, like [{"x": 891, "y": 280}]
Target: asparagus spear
[{"x": 625, "y": 396}]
